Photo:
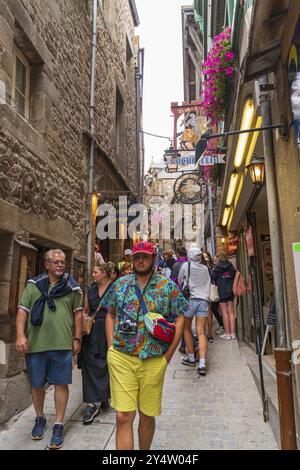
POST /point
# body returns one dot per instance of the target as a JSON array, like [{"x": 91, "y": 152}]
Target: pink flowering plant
[{"x": 218, "y": 68}]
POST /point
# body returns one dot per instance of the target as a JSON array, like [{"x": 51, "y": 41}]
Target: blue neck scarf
[{"x": 65, "y": 286}]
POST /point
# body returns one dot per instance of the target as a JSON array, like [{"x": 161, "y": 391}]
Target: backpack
[
  {"x": 175, "y": 271},
  {"x": 239, "y": 287}
]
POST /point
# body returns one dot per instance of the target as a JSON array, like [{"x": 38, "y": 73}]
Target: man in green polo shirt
[{"x": 50, "y": 309}]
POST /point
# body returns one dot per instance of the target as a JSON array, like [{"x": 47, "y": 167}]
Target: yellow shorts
[{"x": 136, "y": 384}]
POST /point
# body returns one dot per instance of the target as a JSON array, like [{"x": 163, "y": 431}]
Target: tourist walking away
[
  {"x": 50, "y": 310},
  {"x": 196, "y": 275},
  {"x": 138, "y": 357},
  {"x": 93, "y": 354},
  {"x": 223, "y": 276}
]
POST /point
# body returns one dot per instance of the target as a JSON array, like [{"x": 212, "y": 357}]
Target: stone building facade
[{"x": 45, "y": 60}]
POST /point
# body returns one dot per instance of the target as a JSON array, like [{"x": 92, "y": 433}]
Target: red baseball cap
[{"x": 143, "y": 247}]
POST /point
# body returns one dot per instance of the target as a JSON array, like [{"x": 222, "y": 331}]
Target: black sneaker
[
  {"x": 38, "y": 430},
  {"x": 210, "y": 339},
  {"x": 187, "y": 362},
  {"x": 90, "y": 414},
  {"x": 104, "y": 406},
  {"x": 201, "y": 371}
]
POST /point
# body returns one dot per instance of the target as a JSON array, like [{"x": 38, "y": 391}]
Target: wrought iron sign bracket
[{"x": 285, "y": 126}]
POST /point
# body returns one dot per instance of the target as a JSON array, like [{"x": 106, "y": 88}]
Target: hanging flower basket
[{"x": 218, "y": 68}]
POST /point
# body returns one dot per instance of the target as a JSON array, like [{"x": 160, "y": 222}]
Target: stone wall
[{"x": 44, "y": 158}]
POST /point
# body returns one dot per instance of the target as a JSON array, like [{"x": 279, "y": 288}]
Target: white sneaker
[
  {"x": 220, "y": 330},
  {"x": 233, "y": 336},
  {"x": 225, "y": 336}
]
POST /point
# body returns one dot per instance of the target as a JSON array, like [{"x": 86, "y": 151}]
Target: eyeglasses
[{"x": 57, "y": 262}]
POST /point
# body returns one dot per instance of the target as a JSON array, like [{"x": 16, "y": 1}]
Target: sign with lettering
[
  {"x": 211, "y": 158},
  {"x": 190, "y": 160}
]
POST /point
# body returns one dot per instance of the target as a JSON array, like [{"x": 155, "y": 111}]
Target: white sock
[
  {"x": 202, "y": 363},
  {"x": 56, "y": 422},
  {"x": 191, "y": 357}
]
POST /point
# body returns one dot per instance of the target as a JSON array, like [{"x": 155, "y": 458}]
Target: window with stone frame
[
  {"x": 21, "y": 83},
  {"x": 31, "y": 78}
]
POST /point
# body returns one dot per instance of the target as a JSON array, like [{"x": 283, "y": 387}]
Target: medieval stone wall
[{"x": 44, "y": 158}]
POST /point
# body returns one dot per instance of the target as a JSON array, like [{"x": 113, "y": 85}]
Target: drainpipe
[
  {"x": 90, "y": 241},
  {"x": 274, "y": 215},
  {"x": 282, "y": 353},
  {"x": 211, "y": 218}
]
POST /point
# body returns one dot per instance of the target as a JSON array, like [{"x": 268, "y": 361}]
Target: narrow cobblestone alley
[{"x": 220, "y": 411}]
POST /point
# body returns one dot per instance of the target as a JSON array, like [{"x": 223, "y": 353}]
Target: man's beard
[
  {"x": 144, "y": 273},
  {"x": 59, "y": 274}
]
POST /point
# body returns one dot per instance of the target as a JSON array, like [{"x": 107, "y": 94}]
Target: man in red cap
[{"x": 137, "y": 361}]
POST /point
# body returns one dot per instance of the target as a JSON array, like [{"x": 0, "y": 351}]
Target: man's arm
[
  {"x": 109, "y": 328},
  {"x": 77, "y": 312},
  {"x": 179, "y": 324},
  {"x": 21, "y": 341},
  {"x": 78, "y": 330}
]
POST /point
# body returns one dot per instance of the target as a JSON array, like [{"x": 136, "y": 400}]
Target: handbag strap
[
  {"x": 102, "y": 298},
  {"x": 189, "y": 272},
  {"x": 141, "y": 300}
]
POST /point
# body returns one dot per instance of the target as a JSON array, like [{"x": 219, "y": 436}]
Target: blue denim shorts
[
  {"x": 197, "y": 307},
  {"x": 52, "y": 367}
]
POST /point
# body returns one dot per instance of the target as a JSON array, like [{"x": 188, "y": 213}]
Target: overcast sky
[{"x": 160, "y": 35}]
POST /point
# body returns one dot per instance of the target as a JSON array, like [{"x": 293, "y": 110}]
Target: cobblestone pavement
[{"x": 220, "y": 411}]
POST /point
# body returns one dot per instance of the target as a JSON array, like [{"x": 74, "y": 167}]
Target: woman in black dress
[{"x": 95, "y": 377}]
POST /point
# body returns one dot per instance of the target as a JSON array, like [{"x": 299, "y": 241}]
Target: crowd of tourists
[{"x": 124, "y": 332}]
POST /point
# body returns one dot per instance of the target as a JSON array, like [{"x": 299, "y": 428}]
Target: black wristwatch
[{"x": 78, "y": 339}]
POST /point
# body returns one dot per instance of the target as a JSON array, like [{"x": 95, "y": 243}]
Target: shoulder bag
[
  {"x": 155, "y": 323},
  {"x": 186, "y": 290}
]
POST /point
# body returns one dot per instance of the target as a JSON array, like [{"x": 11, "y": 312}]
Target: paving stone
[{"x": 220, "y": 411}]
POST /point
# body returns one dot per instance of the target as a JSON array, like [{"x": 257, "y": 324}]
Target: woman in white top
[{"x": 196, "y": 275}]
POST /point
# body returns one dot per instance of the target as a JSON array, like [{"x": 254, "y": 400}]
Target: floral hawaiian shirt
[{"x": 161, "y": 295}]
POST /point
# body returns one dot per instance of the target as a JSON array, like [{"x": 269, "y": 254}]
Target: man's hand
[
  {"x": 21, "y": 344},
  {"x": 168, "y": 357},
  {"x": 76, "y": 346}
]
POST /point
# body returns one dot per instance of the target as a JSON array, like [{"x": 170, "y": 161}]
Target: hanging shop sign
[
  {"x": 190, "y": 189},
  {"x": 189, "y": 160},
  {"x": 211, "y": 158},
  {"x": 294, "y": 81}
]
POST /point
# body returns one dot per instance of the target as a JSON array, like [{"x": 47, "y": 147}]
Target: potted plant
[{"x": 217, "y": 68}]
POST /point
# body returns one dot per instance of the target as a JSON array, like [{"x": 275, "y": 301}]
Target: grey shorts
[{"x": 197, "y": 307}]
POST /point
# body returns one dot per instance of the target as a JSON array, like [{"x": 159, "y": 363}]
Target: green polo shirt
[{"x": 56, "y": 331}]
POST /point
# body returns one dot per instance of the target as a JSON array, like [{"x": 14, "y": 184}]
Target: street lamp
[{"x": 257, "y": 170}]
